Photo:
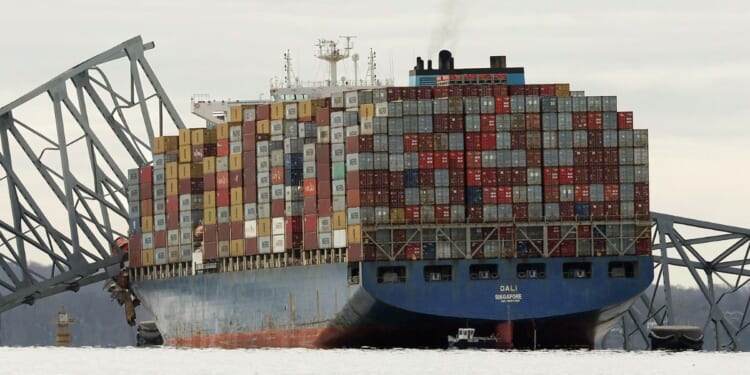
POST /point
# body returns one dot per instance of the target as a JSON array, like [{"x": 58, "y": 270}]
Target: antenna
[
  {"x": 371, "y": 77},
  {"x": 329, "y": 52},
  {"x": 288, "y": 69},
  {"x": 355, "y": 59}
]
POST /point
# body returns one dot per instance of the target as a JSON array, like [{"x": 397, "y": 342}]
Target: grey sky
[{"x": 681, "y": 66}]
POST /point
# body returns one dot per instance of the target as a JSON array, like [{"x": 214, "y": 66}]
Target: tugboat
[{"x": 465, "y": 339}]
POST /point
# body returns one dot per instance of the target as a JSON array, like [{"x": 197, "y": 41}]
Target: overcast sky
[{"x": 681, "y": 66}]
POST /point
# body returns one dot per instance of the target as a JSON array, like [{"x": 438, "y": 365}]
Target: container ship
[{"x": 393, "y": 216}]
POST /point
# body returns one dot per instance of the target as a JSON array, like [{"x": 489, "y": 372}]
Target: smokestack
[
  {"x": 497, "y": 62},
  {"x": 429, "y": 64},
  {"x": 420, "y": 64},
  {"x": 444, "y": 60}
]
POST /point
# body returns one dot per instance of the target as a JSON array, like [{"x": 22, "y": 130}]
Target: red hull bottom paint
[{"x": 299, "y": 338}]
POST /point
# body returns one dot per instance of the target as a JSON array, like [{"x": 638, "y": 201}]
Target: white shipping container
[
  {"x": 251, "y": 229},
  {"x": 337, "y": 135},
  {"x": 337, "y": 100},
  {"x": 278, "y": 243},
  {"x": 277, "y": 127},
  {"x": 339, "y": 187},
  {"x": 352, "y": 162},
  {"x": 173, "y": 237},
  {"x": 351, "y": 99},
  {"x": 160, "y": 255},
  {"x": 147, "y": 240},
  {"x": 277, "y": 226},
  {"x": 366, "y": 127},
  {"x": 235, "y": 133},
  {"x": 290, "y": 111},
  {"x": 353, "y": 216},
  {"x": 222, "y": 164},
  {"x": 325, "y": 240},
  {"x": 277, "y": 191},
  {"x": 339, "y": 238},
  {"x": 324, "y": 224},
  {"x": 337, "y": 119},
  {"x": 338, "y": 203},
  {"x": 381, "y": 109},
  {"x": 324, "y": 134},
  {"x": 186, "y": 236},
  {"x": 160, "y": 222},
  {"x": 222, "y": 215},
  {"x": 251, "y": 211},
  {"x": 351, "y": 131},
  {"x": 248, "y": 114},
  {"x": 264, "y": 245},
  {"x": 308, "y": 152}
]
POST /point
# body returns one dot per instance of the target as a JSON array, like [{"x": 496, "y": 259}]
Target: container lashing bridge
[{"x": 106, "y": 112}]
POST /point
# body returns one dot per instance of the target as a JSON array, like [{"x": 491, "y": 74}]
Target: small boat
[{"x": 465, "y": 339}]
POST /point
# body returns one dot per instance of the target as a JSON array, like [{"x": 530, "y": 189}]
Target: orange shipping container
[
  {"x": 184, "y": 136},
  {"x": 147, "y": 257},
  {"x": 186, "y": 154},
  {"x": 305, "y": 109},
  {"x": 173, "y": 187},
  {"x": 277, "y": 175},
  {"x": 237, "y": 213},
  {"x": 165, "y": 143},
  {"x": 147, "y": 224},
  {"x": 172, "y": 171},
  {"x": 339, "y": 220},
  {"x": 264, "y": 227},
  {"x": 222, "y": 131},
  {"x": 354, "y": 234},
  {"x": 263, "y": 126},
  {"x": 367, "y": 111},
  {"x": 235, "y": 113},
  {"x": 209, "y": 199},
  {"x": 209, "y": 165},
  {"x": 310, "y": 187},
  {"x": 277, "y": 111},
  {"x": 209, "y": 216},
  {"x": 235, "y": 162},
  {"x": 203, "y": 136},
  {"x": 237, "y": 248},
  {"x": 397, "y": 215},
  {"x": 191, "y": 170},
  {"x": 236, "y": 195}
]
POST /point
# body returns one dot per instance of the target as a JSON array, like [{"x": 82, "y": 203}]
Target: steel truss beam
[
  {"x": 724, "y": 262},
  {"x": 65, "y": 171}
]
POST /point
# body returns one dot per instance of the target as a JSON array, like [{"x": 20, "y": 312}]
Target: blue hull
[{"x": 320, "y": 306}]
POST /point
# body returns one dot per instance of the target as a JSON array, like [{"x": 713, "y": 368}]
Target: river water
[{"x": 130, "y": 361}]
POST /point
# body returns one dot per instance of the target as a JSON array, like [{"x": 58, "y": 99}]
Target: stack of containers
[
  {"x": 310, "y": 175},
  {"x": 134, "y": 218}
]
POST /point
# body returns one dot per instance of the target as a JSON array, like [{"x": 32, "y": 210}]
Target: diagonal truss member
[
  {"x": 711, "y": 254},
  {"x": 64, "y": 171}
]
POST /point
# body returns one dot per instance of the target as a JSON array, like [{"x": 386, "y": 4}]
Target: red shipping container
[
  {"x": 426, "y": 160},
  {"x": 134, "y": 257},
  {"x": 641, "y": 210},
  {"x": 251, "y": 246},
  {"x": 442, "y": 214},
  {"x": 250, "y": 193},
  {"x": 277, "y": 175},
  {"x": 596, "y": 175},
  {"x": 353, "y": 198},
  {"x": 500, "y": 90},
  {"x": 147, "y": 191},
  {"x": 489, "y": 141},
  {"x": 625, "y": 120},
  {"x": 238, "y": 230},
  {"x": 567, "y": 211},
  {"x": 223, "y": 197},
  {"x": 551, "y": 176},
  {"x": 611, "y": 175},
  {"x": 502, "y": 104},
  {"x": 457, "y": 195},
  {"x": 455, "y": 123},
  {"x": 547, "y": 90},
  {"x": 519, "y": 176},
  {"x": 249, "y": 161},
  {"x": 397, "y": 198},
  {"x": 516, "y": 90},
  {"x": 566, "y": 175},
  {"x": 382, "y": 197},
  {"x": 533, "y": 158},
  {"x": 504, "y": 195},
  {"x": 596, "y": 138},
  {"x": 487, "y": 124},
  {"x": 612, "y": 210},
  {"x": 235, "y": 178},
  {"x": 310, "y": 205},
  {"x": 160, "y": 238},
  {"x": 474, "y": 213},
  {"x": 323, "y": 116},
  {"x": 426, "y": 178},
  {"x": 310, "y": 241},
  {"x": 595, "y": 121},
  {"x": 277, "y": 207},
  {"x": 426, "y": 142},
  {"x": 210, "y": 250},
  {"x": 581, "y": 193},
  {"x": 248, "y": 143},
  {"x": 457, "y": 160},
  {"x": 489, "y": 195},
  {"x": 324, "y": 189},
  {"x": 396, "y": 180},
  {"x": 324, "y": 207},
  {"x": 173, "y": 204},
  {"x": 249, "y": 127},
  {"x": 293, "y": 224},
  {"x": 424, "y": 92},
  {"x": 504, "y": 176},
  {"x": 518, "y": 140},
  {"x": 520, "y": 211},
  {"x": 581, "y": 175},
  {"x": 223, "y": 232},
  {"x": 531, "y": 90},
  {"x": 584, "y": 231},
  {"x": 310, "y": 187},
  {"x": 441, "y": 159},
  {"x": 489, "y": 177},
  {"x": 580, "y": 157},
  {"x": 473, "y": 142},
  {"x": 263, "y": 112},
  {"x": 533, "y": 122},
  {"x": 146, "y": 175},
  {"x": 580, "y": 121},
  {"x": 412, "y": 214},
  {"x": 643, "y": 246},
  {"x": 612, "y": 192},
  {"x": 222, "y": 180},
  {"x": 610, "y": 156},
  {"x": 190, "y": 186},
  {"x": 440, "y": 123},
  {"x": 641, "y": 191},
  {"x": 323, "y": 153},
  {"x": 210, "y": 233},
  {"x": 473, "y": 159},
  {"x": 311, "y": 223},
  {"x": 173, "y": 220},
  {"x": 411, "y": 142},
  {"x": 222, "y": 147},
  {"x": 473, "y": 177},
  {"x": 597, "y": 210},
  {"x": 596, "y": 157},
  {"x": 552, "y": 194},
  {"x": 440, "y": 92},
  {"x": 456, "y": 177}
]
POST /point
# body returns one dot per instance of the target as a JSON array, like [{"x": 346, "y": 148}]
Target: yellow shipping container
[
  {"x": 235, "y": 196},
  {"x": 172, "y": 170},
  {"x": 237, "y": 248},
  {"x": 397, "y": 215},
  {"x": 209, "y": 199},
  {"x": 235, "y": 162},
  {"x": 190, "y": 170},
  {"x": 264, "y": 227},
  {"x": 305, "y": 109},
  {"x": 184, "y": 136},
  {"x": 159, "y": 145},
  {"x": 354, "y": 234},
  {"x": 173, "y": 187},
  {"x": 209, "y": 165},
  {"x": 263, "y": 127},
  {"x": 222, "y": 131},
  {"x": 367, "y": 111},
  {"x": 186, "y": 154},
  {"x": 562, "y": 89},
  {"x": 277, "y": 111},
  {"x": 203, "y": 136},
  {"x": 147, "y": 257},
  {"x": 235, "y": 113},
  {"x": 339, "y": 220},
  {"x": 237, "y": 213},
  {"x": 209, "y": 216},
  {"x": 147, "y": 224}
]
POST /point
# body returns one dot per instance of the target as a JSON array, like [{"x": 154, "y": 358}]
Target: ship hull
[{"x": 322, "y": 306}]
